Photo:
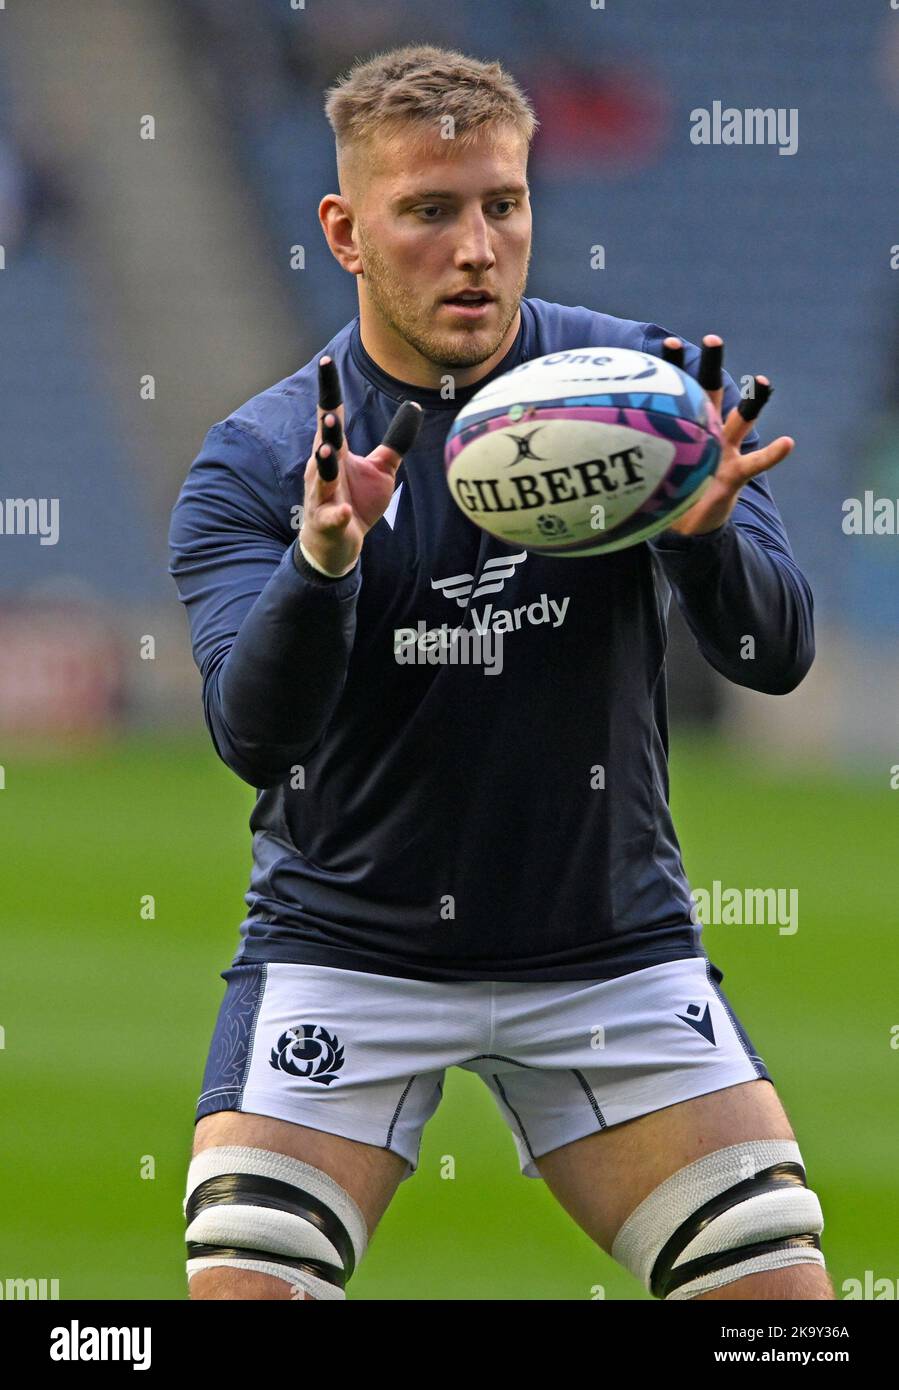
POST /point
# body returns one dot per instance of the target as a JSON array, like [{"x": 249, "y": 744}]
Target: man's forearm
[
  {"x": 750, "y": 610},
  {"x": 271, "y": 699}
]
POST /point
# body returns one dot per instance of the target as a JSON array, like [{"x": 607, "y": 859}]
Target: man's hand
[
  {"x": 734, "y": 469},
  {"x": 344, "y": 493}
]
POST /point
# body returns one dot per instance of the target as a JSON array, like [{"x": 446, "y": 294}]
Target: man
[{"x": 437, "y": 879}]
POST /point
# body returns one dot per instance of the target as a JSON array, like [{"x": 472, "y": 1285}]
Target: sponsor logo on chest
[{"x": 487, "y": 617}]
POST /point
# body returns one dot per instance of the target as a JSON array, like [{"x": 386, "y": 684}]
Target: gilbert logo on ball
[{"x": 583, "y": 452}]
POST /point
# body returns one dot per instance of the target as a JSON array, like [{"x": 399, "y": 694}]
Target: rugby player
[{"x": 438, "y": 878}]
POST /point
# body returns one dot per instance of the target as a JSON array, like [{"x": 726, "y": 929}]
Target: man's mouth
[
  {"x": 470, "y": 297},
  {"x": 470, "y": 304}
]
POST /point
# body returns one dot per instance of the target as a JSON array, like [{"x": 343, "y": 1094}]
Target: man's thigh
[
  {"x": 600, "y": 1180},
  {"x": 369, "y": 1175}
]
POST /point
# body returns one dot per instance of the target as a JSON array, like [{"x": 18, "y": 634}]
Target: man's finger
[
  {"x": 326, "y": 458},
  {"x": 329, "y": 437},
  {"x": 739, "y": 422},
  {"x": 751, "y": 406},
  {"x": 402, "y": 431},
  {"x": 673, "y": 351},
  {"x": 711, "y": 360},
  {"x": 401, "y": 435},
  {"x": 762, "y": 459},
  {"x": 332, "y": 431},
  {"x": 329, "y": 393}
]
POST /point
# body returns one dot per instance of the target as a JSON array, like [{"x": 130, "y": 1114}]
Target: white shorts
[{"x": 364, "y": 1055}]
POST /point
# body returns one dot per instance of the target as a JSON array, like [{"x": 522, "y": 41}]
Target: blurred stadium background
[{"x": 147, "y": 289}]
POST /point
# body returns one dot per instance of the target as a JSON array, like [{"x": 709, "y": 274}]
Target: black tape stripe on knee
[
  {"x": 708, "y": 1264},
  {"x": 330, "y": 1273},
  {"x": 249, "y": 1189},
  {"x": 778, "y": 1175}
]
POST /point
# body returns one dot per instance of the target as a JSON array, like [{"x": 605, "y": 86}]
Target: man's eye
[
  {"x": 432, "y": 207},
  {"x": 507, "y": 202}
]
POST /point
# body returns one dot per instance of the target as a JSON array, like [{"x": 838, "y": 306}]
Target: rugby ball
[{"x": 583, "y": 452}]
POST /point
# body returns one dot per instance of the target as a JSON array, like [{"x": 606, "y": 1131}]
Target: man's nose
[{"x": 474, "y": 248}]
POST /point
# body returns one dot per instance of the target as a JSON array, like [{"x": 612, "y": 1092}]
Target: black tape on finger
[
  {"x": 673, "y": 354},
  {"x": 402, "y": 431},
  {"x": 752, "y": 406},
  {"x": 710, "y": 363},
  {"x": 329, "y": 396},
  {"x": 327, "y": 464},
  {"x": 332, "y": 434}
]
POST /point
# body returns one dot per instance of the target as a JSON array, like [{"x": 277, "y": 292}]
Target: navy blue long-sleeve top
[{"x": 427, "y": 820}]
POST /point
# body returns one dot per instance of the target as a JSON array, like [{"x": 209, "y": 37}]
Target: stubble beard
[{"x": 403, "y": 313}]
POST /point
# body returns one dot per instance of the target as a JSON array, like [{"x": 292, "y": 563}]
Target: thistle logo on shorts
[
  {"x": 308, "y": 1051},
  {"x": 701, "y": 1020}
]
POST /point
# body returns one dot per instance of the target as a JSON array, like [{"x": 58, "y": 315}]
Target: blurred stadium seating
[{"x": 788, "y": 257}]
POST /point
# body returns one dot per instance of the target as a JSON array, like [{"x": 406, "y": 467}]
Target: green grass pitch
[{"x": 107, "y": 1019}]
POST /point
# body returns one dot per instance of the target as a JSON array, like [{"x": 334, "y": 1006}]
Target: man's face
[{"x": 432, "y": 222}]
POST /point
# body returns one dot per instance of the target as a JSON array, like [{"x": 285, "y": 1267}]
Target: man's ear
[{"x": 339, "y": 226}]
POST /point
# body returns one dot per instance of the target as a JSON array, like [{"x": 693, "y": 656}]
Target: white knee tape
[
  {"x": 720, "y": 1212},
  {"x": 257, "y": 1210},
  {"x": 300, "y": 1282}
]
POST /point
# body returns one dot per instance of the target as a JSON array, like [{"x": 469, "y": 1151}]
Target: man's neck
[{"x": 400, "y": 360}]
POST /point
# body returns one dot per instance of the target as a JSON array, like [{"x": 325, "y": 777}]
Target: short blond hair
[{"x": 415, "y": 88}]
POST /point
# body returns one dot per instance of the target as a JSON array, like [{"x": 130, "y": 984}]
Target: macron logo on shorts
[{"x": 701, "y": 1020}]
